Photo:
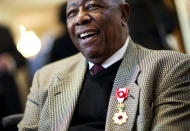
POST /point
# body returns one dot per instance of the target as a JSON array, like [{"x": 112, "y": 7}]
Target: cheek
[
  {"x": 69, "y": 28},
  {"x": 115, "y": 29},
  {"x": 71, "y": 31}
]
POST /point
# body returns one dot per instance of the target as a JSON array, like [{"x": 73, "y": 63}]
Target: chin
[
  {"x": 96, "y": 60},
  {"x": 94, "y": 55}
]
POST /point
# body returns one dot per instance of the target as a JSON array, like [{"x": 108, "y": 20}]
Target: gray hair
[{"x": 120, "y": 1}]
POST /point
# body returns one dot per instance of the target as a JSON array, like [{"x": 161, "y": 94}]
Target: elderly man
[{"x": 114, "y": 84}]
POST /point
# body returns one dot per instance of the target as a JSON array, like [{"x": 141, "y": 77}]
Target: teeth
[{"x": 86, "y": 34}]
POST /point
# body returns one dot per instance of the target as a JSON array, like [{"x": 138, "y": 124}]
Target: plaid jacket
[{"x": 158, "y": 98}]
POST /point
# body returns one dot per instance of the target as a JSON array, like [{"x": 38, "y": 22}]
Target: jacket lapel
[
  {"x": 64, "y": 93},
  {"x": 126, "y": 77}
]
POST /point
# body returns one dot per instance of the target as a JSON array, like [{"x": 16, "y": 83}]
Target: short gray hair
[{"x": 121, "y": 1}]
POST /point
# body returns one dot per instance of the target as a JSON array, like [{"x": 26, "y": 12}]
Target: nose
[{"x": 83, "y": 17}]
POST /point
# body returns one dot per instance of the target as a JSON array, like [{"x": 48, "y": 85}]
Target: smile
[{"x": 89, "y": 34}]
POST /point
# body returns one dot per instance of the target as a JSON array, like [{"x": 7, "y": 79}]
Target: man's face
[{"x": 95, "y": 26}]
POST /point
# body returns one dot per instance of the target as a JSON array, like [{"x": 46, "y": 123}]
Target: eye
[
  {"x": 71, "y": 13},
  {"x": 92, "y": 6}
]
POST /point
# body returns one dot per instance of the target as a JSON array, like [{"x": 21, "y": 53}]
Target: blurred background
[{"x": 33, "y": 33}]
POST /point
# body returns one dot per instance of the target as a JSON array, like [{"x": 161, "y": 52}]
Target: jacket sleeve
[
  {"x": 172, "y": 99},
  {"x": 31, "y": 114}
]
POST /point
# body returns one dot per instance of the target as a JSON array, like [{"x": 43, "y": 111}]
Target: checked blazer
[{"x": 158, "y": 98}]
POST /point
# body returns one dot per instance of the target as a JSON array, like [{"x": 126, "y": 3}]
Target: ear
[{"x": 125, "y": 10}]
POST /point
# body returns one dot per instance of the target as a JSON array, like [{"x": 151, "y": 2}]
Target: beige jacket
[{"x": 158, "y": 99}]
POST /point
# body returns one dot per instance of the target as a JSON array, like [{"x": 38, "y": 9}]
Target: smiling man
[
  {"x": 113, "y": 84},
  {"x": 97, "y": 27}
]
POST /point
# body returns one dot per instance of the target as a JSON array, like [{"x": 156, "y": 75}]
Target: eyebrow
[{"x": 73, "y": 4}]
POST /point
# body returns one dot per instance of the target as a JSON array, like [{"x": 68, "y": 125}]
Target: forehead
[{"x": 81, "y": 2}]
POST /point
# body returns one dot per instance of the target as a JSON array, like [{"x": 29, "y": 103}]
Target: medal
[{"x": 121, "y": 117}]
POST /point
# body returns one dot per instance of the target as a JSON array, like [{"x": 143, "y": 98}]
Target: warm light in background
[{"x": 29, "y": 44}]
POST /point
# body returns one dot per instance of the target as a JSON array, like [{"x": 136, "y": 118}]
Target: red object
[
  {"x": 120, "y": 117},
  {"x": 96, "y": 68},
  {"x": 121, "y": 93}
]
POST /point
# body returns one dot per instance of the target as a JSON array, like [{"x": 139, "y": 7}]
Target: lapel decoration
[{"x": 121, "y": 117}]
